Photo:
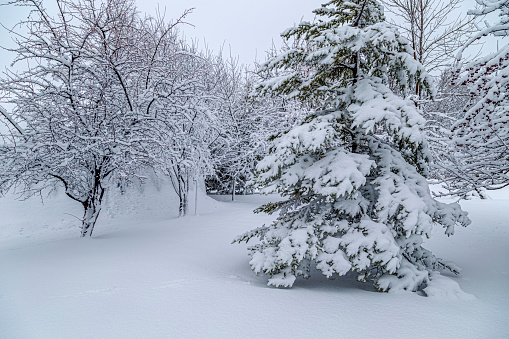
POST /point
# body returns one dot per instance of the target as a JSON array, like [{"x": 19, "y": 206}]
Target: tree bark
[
  {"x": 92, "y": 208},
  {"x": 233, "y": 189},
  {"x": 183, "y": 196},
  {"x": 183, "y": 205}
]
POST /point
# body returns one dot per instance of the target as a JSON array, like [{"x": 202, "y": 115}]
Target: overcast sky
[{"x": 246, "y": 26}]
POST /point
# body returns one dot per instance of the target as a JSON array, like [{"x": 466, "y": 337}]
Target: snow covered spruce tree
[
  {"x": 351, "y": 173},
  {"x": 480, "y": 139}
]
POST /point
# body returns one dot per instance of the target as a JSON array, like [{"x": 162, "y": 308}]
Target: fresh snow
[{"x": 147, "y": 274}]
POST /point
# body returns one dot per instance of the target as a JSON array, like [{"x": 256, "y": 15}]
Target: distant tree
[
  {"x": 436, "y": 30},
  {"x": 246, "y": 122},
  {"x": 434, "y": 27},
  {"x": 180, "y": 100},
  {"x": 481, "y": 137},
  {"x": 351, "y": 173},
  {"x": 441, "y": 114},
  {"x": 232, "y": 150}
]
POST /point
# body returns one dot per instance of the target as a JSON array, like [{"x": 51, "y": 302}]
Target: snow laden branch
[
  {"x": 11, "y": 120},
  {"x": 479, "y": 141}
]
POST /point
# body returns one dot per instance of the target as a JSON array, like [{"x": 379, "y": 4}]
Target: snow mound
[{"x": 443, "y": 287}]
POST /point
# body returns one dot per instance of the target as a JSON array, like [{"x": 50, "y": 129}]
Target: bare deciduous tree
[
  {"x": 88, "y": 107},
  {"x": 434, "y": 28},
  {"x": 246, "y": 123},
  {"x": 480, "y": 139}
]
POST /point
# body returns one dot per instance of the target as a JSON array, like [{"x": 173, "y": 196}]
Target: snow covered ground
[{"x": 145, "y": 274}]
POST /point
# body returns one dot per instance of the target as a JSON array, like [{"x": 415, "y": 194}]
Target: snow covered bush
[{"x": 353, "y": 172}]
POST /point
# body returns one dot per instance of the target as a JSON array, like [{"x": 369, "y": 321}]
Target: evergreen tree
[{"x": 351, "y": 173}]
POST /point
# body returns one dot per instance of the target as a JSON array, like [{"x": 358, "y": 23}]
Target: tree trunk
[
  {"x": 233, "y": 189},
  {"x": 183, "y": 204},
  {"x": 92, "y": 208},
  {"x": 196, "y": 196},
  {"x": 180, "y": 182},
  {"x": 183, "y": 195}
]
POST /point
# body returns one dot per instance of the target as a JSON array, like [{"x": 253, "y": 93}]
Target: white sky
[{"x": 246, "y": 26}]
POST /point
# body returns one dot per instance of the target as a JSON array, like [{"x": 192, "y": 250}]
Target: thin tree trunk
[
  {"x": 183, "y": 203},
  {"x": 196, "y": 197},
  {"x": 180, "y": 183},
  {"x": 183, "y": 196},
  {"x": 233, "y": 189}
]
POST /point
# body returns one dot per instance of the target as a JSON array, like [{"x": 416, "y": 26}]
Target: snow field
[{"x": 148, "y": 275}]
